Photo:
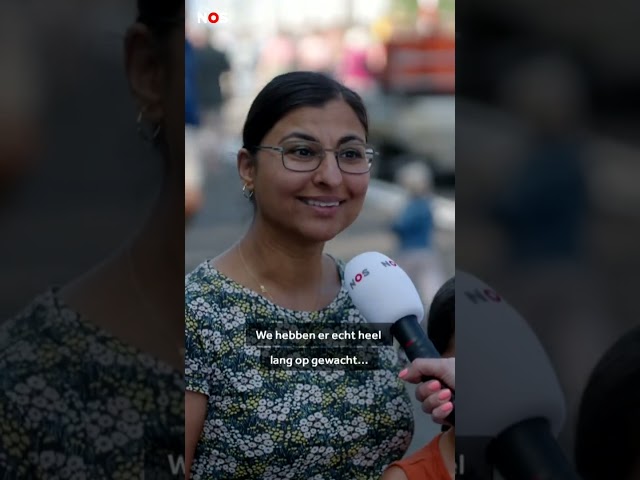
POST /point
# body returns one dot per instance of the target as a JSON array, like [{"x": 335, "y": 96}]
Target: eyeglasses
[{"x": 306, "y": 156}]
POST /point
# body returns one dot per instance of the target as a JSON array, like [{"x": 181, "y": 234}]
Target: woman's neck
[
  {"x": 140, "y": 288},
  {"x": 281, "y": 261}
]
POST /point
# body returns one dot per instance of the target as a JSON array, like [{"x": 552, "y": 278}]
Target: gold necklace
[{"x": 264, "y": 290}]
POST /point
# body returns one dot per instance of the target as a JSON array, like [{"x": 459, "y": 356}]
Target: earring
[
  {"x": 144, "y": 132},
  {"x": 247, "y": 193}
]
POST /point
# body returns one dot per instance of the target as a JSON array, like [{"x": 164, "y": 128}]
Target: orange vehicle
[{"x": 420, "y": 65}]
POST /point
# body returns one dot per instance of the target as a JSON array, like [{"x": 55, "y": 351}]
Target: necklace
[
  {"x": 147, "y": 305},
  {"x": 264, "y": 290}
]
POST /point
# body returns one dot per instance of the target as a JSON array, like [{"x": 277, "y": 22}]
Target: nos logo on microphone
[
  {"x": 358, "y": 278},
  {"x": 482, "y": 296}
]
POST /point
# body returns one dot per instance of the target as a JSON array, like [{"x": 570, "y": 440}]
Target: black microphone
[
  {"x": 512, "y": 401},
  {"x": 385, "y": 294}
]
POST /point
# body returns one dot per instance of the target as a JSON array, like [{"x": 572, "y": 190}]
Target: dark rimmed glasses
[{"x": 306, "y": 156}]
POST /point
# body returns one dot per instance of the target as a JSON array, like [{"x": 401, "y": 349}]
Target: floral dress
[
  {"x": 276, "y": 424},
  {"x": 77, "y": 403}
]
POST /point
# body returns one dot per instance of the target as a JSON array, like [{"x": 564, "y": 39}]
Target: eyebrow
[{"x": 311, "y": 138}]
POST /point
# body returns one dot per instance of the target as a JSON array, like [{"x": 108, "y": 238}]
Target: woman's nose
[{"x": 329, "y": 172}]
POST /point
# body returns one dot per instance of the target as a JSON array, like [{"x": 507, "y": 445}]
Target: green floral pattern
[
  {"x": 77, "y": 403},
  {"x": 272, "y": 424}
]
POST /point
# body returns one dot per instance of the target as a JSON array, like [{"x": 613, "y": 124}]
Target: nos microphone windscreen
[
  {"x": 380, "y": 289},
  {"x": 509, "y": 377}
]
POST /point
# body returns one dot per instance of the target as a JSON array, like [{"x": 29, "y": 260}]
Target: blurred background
[
  {"x": 399, "y": 55},
  {"x": 77, "y": 181},
  {"x": 547, "y": 164}
]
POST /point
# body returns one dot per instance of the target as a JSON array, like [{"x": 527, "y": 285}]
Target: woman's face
[{"x": 285, "y": 199}]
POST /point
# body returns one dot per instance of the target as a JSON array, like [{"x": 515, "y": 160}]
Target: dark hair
[
  {"x": 161, "y": 16},
  {"x": 293, "y": 90},
  {"x": 607, "y": 442},
  {"x": 441, "y": 323}
]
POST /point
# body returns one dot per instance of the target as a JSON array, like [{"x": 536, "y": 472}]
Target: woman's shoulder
[
  {"x": 211, "y": 294},
  {"x": 205, "y": 281},
  {"x": 29, "y": 326},
  {"x": 340, "y": 265}
]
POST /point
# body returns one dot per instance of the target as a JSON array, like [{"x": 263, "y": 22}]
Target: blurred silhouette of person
[
  {"x": 193, "y": 165},
  {"x": 313, "y": 54},
  {"x": 543, "y": 211},
  {"x": 544, "y": 206},
  {"x": 210, "y": 63},
  {"x": 277, "y": 56},
  {"x": 355, "y": 68},
  {"x": 87, "y": 391},
  {"x": 414, "y": 228}
]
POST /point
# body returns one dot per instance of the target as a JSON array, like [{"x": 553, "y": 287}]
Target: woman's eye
[
  {"x": 303, "y": 152},
  {"x": 351, "y": 154}
]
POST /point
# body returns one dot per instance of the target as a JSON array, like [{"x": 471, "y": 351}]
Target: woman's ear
[
  {"x": 145, "y": 71},
  {"x": 247, "y": 168}
]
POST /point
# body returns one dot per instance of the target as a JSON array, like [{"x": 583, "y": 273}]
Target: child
[
  {"x": 414, "y": 229},
  {"x": 436, "y": 460}
]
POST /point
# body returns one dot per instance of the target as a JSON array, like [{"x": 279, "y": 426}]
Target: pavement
[{"x": 226, "y": 215}]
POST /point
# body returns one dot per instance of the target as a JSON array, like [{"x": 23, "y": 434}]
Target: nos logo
[
  {"x": 483, "y": 296},
  {"x": 358, "y": 278},
  {"x": 212, "y": 17}
]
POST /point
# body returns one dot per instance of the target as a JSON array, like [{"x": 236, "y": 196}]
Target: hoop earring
[
  {"x": 143, "y": 132},
  {"x": 246, "y": 193}
]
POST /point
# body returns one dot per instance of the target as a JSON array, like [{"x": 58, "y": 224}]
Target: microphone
[
  {"x": 385, "y": 294},
  {"x": 511, "y": 395}
]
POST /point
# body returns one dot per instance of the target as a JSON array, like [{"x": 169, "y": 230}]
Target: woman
[
  {"x": 87, "y": 392},
  {"x": 305, "y": 167}
]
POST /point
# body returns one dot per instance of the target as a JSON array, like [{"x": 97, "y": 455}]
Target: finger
[
  {"x": 416, "y": 371},
  {"x": 425, "y": 390},
  {"x": 432, "y": 403},
  {"x": 424, "y": 367},
  {"x": 442, "y": 412}
]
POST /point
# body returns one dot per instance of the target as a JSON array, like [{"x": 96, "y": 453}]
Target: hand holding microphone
[
  {"x": 437, "y": 400},
  {"x": 385, "y": 295}
]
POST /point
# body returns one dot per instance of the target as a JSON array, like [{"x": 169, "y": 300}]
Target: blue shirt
[
  {"x": 191, "y": 113},
  {"x": 414, "y": 226}
]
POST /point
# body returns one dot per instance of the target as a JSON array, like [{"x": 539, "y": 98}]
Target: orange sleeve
[{"x": 425, "y": 464}]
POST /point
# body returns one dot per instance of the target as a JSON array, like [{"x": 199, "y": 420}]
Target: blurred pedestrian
[
  {"x": 211, "y": 63},
  {"x": 193, "y": 167},
  {"x": 414, "y": 228}
]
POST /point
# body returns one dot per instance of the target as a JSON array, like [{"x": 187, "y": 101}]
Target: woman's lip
[
  {"x": 333, "y": 205},
  {"x": 323, "y": 212},
  {"x": 323, "y": 199}
]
